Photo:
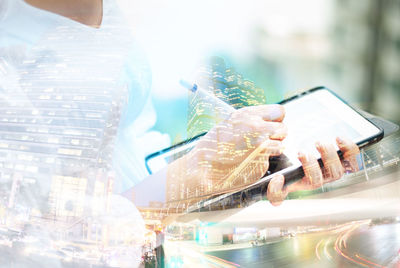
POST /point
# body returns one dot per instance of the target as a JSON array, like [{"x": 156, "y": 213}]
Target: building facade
[{"x": 56, "y": 143}]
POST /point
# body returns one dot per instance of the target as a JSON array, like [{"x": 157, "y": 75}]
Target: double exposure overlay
[{"x": 184, "y": 133}]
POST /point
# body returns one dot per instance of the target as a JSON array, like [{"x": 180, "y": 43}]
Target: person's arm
[{"x": 88, "y": 12}]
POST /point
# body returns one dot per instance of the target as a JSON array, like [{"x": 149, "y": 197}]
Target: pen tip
[{"x": 187, "y": 85}]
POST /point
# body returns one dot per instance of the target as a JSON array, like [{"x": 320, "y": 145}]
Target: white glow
[
  {"x": 343, "y": 208},
  {"x": 178, "y": 34}
]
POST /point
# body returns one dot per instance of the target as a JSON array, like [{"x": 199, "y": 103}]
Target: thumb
[{"x": 275, "y": 192}]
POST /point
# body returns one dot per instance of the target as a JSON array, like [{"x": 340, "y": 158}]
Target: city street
[
  {"x": 357, "y": 244},
  {"x": 353, "y": 245}
]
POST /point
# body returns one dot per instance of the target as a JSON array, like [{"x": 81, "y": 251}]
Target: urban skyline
[
  {"x": 56, "y": 143},
  {"x": 229, "y": 86}
]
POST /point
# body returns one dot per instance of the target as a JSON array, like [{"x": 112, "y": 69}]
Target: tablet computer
[{"x": 315, "y": 115}]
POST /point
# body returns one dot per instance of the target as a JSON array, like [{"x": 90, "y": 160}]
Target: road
[
  {"x": 359, "y": 244},
  {"x": 366, "y": 243},
  {"x": 355, "y": 244}
]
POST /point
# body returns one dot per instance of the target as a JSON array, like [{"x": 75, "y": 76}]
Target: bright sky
[{"x": 177, "y": 34}]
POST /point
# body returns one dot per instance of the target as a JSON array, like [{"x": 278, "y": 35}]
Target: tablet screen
[{"x": 321, "y": 116}]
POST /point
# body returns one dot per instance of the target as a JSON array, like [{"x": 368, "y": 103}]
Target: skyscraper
[
  {"x": 202, "y": 178},
  {"x": 56, "y": 142},
  {"x": 226, "y": 84}
]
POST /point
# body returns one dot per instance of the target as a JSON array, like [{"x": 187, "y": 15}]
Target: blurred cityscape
[
  {"x": 347, "y": 46},
  {"x": 56, "y": 148},
  {"x": 367, "y": 45}
]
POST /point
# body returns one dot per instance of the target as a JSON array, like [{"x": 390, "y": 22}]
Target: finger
[
  {"x": 350, "y": 152},
  {"x": 275, "y": 192},
  {"x": 260, "y": 130},
  {"x": 280, "y": 133},
  {"x": 272, "y": 148},
  {"x": 271, "y": 112},
  {"x": 275, "y": 130},
  {"x": 248, "y": 123},
  {"x": 246, "y": 120},
  {"x": 333, "y": 169},
  {"x": 312, "y": 171}
]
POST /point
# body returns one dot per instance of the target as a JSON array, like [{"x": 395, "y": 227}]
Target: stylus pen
[{"x": 195, "y": 89}]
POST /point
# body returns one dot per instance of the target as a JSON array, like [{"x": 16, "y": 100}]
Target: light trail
[
  {"x": 316, "y": 249},
  {"x": 342, "y": 240},
  {"x": 344, "y": 228},
  {"x": 326, "y": 249},
  {"x": 378, "y": 265}
]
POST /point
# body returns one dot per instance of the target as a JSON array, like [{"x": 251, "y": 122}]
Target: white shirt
[
  {"x": 52, "y": 51},
  {"x": 63, "y": 87}
]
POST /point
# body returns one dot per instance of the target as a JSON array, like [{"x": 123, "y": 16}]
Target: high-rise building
[
  {"x": 56, "y": 142},
  {"x": 202, "y": 178},
  {"x": 226, "y": 84}
]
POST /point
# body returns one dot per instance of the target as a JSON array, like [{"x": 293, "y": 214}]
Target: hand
[
  {"x": 235, "y": 138},
  {"x": 243, "y": 144},
  {"x": 234, "y": 153},
  {"x": 314, "y": 176}
]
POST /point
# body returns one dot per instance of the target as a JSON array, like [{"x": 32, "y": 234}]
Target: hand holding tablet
[
  {"x": 235, "y": 153},
  {"x": 315, "y": 176}
]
